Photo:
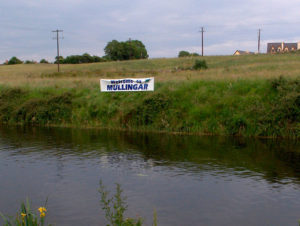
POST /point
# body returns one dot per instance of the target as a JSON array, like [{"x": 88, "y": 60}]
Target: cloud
[{"x": 165, "y": 26}]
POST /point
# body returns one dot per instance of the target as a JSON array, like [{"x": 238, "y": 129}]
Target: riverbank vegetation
[
  {"x": 114, "y": 208},
  {"x": 246, "y": 95},
  {"x": 26, "y": 216}
]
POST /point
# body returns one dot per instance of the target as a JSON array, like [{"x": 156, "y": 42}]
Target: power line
[{"x": 57, "y": 41}]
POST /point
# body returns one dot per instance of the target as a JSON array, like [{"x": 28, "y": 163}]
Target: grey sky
[{"x": 165, "y": 27}]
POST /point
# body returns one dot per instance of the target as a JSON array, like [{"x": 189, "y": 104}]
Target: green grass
[
  {"x": 165, "y": 70},
  {"x": 242, "y": 96}
]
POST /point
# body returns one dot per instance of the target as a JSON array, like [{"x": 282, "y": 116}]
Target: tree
[
  {"x": 131, "y": 49},
  {"x": 61, "y": 60},
  {"x": 29, "y": 62},
  {"x": 73, "y": 59},
  {"x": 98, "y": 59},
  {"x": 87, "y": 58},
  {"x": 79, "y": 59},
  {"x": 183, "y": 54},
  {"x": 137, "y": 50},
  {"x": 43, "y": 61},
  {"x": 113, "y": 50},
  {"x": 14, "y": 60}
]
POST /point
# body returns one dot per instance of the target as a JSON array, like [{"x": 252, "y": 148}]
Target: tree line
[{"x": 114, "y": 51}]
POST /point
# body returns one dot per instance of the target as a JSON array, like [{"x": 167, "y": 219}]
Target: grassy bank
[
  {"x": 249, "y": 108},
  {"x": 235, "y": 96}
]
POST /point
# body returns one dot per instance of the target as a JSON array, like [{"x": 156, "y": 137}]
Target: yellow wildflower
[
  {"x": 42, "y": 214},
  {"x": 42, "y": 209},
  {"x": 23, "y": 215}
]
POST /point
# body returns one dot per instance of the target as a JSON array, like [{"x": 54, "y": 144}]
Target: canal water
[{"x": 188, "y": 180}]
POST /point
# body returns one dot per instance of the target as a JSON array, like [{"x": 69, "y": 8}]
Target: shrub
[
  {"x": 288, "y": 99},
  {"x": 148, "y": 111},
  {"x": 53, "y": 109},
  {"x": 200, "y": 64},
  {"x": 280, "y": 115}
]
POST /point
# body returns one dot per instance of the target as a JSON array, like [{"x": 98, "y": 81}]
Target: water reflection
[
  {"x": 274, "y": 160},
  {"x": 190, "y": 180}
]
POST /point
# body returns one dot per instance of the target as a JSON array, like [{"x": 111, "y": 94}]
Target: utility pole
[
  {"x": 57, "y": 41},
  {"x": 258, "y": 44},
  {"x": 202, "y": 31}
]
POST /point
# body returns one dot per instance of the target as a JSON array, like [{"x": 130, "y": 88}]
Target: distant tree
[
  {"x": 131, "y": 49},
  {"x": 73, "y": 59},
  {"x": 84, "y": 58},
  {"x": 14, "y": 60},
  {"x": 87, "y": 58},
  {"x": 195, "y": 54},
  {"x": 106, "y": 58},
  {"x": 61, "y": 60},
  {"x": 183, "y": 54},
  {"x": 114, "y": 50},
  {"x": 29, "y": 62},
  {"x": 137, "y": 50},
  {"x": 98, "y": 59},
  {"x": 43, "y": 61}
]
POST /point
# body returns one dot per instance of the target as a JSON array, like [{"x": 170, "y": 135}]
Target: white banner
[{"x": 127, "y": 85}]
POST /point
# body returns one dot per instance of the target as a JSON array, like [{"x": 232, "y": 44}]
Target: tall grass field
[{"x": 257, "y": 95}]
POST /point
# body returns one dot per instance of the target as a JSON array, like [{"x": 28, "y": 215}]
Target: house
[
  {"x": 241, "y": 52},
  {"x": 281, "y": 47}
]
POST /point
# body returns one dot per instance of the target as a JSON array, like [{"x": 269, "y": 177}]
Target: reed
[
  {"x": 26, "y": 216},
  {"x": 115, "y": 207}
]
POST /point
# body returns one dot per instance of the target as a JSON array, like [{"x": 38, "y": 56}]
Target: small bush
[{"x": 200, "y": 64}]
